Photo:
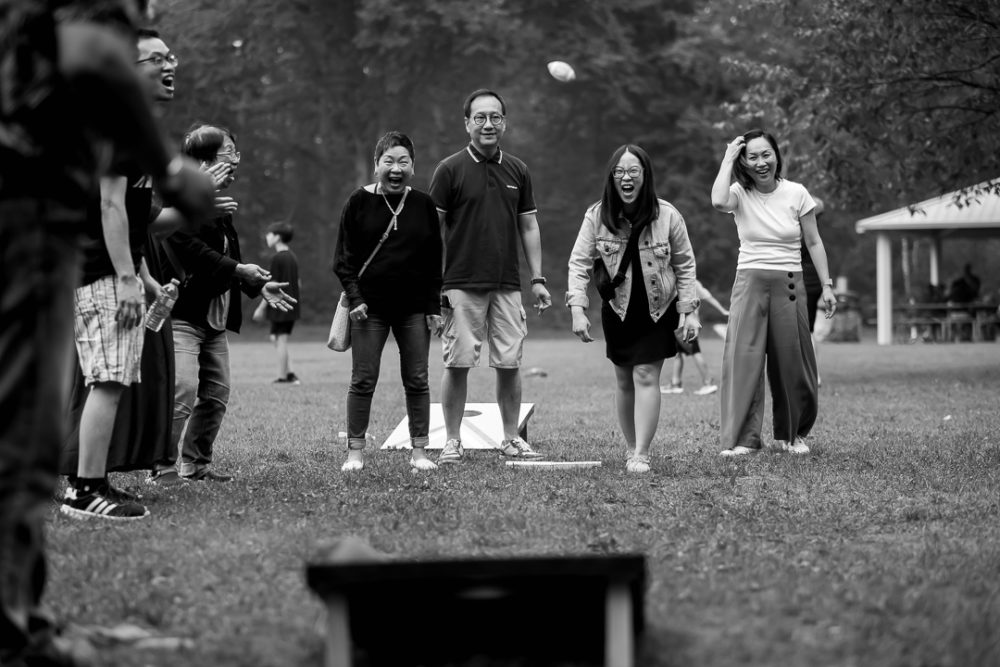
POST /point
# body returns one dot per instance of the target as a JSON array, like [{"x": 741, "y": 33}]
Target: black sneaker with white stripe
[{"x": 99, "y": 505}]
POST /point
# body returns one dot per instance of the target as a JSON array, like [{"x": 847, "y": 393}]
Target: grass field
[{"x": 882, "y": 547}]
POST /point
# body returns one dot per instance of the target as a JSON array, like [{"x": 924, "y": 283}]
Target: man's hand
[
  {"x": 276, "y": 297},
  {"x": 188, "y": 189},
  {"x": 253, "y": 274},
  {"x": 435, "y": 324},
  {"x": 131, "y": 300},
  {"x": 543, "y": 300}
]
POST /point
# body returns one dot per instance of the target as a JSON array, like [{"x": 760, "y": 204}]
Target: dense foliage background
[{"x": 877, "y": 103}]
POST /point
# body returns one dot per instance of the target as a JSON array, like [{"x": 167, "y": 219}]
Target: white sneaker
[
  {"x": 517, "y": 448},
  {"x": 707, "y": 389},
  {"x": 452, "y": 452},
  {"x": 738, "y": 450},
  {"x": 671, "y": 389}
]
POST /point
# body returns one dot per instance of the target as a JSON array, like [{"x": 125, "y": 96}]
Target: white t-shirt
[{"x": 768, "y": 225}]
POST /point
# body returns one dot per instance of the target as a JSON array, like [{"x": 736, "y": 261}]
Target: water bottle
[{"x": 162, "y": 306}]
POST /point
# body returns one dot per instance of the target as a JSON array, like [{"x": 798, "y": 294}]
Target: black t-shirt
[
  {"x": 43, "y": 149},
  {"x": 285, "y": 269},
  {"x": 138, "y": 200}
]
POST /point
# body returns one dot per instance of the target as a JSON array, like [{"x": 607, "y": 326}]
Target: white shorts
[{"x": 476, "y": 315}]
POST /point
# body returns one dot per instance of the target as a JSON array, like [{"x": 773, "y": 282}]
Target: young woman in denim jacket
[{"x": 638, "y": 316}]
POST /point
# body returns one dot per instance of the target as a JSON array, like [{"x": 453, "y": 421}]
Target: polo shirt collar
[{"x": 479, "y": 157}]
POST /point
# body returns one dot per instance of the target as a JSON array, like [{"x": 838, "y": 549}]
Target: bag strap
[
  {"x": 630, "y": 249},
  {"x": 393, "y": 224}
]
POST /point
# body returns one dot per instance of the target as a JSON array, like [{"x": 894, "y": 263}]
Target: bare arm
[
  {"x": 814, "y": 244},
  {"x": 531, "y": 242},
  {"x": 114, "y": 225},
  {"x": 722, "y": 197},
  {"x": 108, "y": 93}
]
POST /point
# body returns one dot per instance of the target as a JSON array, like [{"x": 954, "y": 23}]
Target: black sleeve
[
  {"x": 346, "y": 263},
  {"x": 432, "y": 303}
]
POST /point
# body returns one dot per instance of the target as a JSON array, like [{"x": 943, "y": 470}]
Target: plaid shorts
[{"x": 107, "y": 352}]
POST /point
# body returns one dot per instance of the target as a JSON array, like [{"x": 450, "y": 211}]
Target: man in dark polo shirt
[{"x": 486, "y": 206}]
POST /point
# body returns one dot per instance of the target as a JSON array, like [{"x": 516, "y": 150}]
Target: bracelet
[{"x": 538, "y": 281}]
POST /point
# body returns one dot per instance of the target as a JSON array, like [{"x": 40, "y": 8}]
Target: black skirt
[{"x": 638, "y": 339}]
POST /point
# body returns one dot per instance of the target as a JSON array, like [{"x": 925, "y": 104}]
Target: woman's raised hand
[{"x": 733, "y": 149}]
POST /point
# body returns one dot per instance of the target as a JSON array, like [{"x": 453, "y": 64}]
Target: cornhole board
[
  {"x": 567, "y": 608},
  {"x": 482, "y": 427}
]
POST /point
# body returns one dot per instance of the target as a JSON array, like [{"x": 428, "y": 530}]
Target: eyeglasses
[
  {"x": 233, "y": 156},
  {"x": 158, "y": 59},
  {"x": 633, "y": 172},
  {"x": 495, "y": 119}
]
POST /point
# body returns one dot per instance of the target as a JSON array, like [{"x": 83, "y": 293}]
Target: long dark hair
[
  {"x": 647, "y": 207},
  {"x": 739, "y": 169}
]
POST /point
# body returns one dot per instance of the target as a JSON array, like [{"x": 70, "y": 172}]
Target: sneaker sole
[
  {"x": 74, "y": 513},
  {"x": 448, "y": 462}
]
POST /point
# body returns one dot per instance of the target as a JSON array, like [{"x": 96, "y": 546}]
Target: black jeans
[
  {"x": 38, "y": 272},
  {"x": 367, "y": 341}
]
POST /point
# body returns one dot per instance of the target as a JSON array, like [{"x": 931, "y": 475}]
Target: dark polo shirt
[{"x": 481, "y": 199}]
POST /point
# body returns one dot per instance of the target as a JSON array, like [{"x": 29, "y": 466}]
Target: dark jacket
[{"x": 207, "y": 270}]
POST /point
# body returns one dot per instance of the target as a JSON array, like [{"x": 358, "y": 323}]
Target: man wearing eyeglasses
[
  {"x": 486, "y": 207},
  {"x": 142, "y": 420},
  {"x": 111, "y": 350}
]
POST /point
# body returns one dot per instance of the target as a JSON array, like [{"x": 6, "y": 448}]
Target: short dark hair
[
  {"x": 283, "y": 229},
  {"x": 740, "y": 171},
  {"x": 203, "y": 141},
  {"x": 147, "y": 33},
  {"x": 389, "y": 140},
  {"x": 611, "y": 203},
  {"x": 483, "y": 92}
]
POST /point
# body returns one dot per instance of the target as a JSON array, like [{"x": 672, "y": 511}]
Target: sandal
[{"x": 637, "y": 463}]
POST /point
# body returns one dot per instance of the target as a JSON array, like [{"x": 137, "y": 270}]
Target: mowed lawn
[{"x": 882, "y": 547}]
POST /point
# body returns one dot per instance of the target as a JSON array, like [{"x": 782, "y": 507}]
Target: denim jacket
[{"x": 668, "y": 266}]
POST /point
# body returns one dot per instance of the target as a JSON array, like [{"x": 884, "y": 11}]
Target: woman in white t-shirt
[{"x": 768, "y": 322}]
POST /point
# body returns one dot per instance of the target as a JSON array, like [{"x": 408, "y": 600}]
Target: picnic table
[{"x": 945, "y": 322}]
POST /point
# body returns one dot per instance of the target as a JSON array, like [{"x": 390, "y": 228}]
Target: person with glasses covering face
[
  {"x": 640, "y": 244},
  {"x": 212, "y": 274},
  {"x": 768, "y": 314},
  {"x": 399, "y": 291},
  {"x": 486, "y": 207}
]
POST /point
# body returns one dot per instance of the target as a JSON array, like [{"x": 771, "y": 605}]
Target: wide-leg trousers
[{"x": 768, "y": 330}]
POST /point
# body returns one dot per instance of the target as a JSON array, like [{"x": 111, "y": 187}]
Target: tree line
[{"x": 877, "y": 103}]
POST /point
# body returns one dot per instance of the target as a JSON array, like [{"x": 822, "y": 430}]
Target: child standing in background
[
  {"x": 693, "y": 350},
  {"x": 285, "y": 269}
]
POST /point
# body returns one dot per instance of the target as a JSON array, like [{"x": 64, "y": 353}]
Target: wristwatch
[
  {"x": 828, "y": 283},
  {"x": 538, "y": 281}
]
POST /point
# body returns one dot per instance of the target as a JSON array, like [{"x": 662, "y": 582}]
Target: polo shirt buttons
[
  {"x": 791, "y": 298},
  {"x": 791, "y": 285},
  {"x": 791, "y": 275}
]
